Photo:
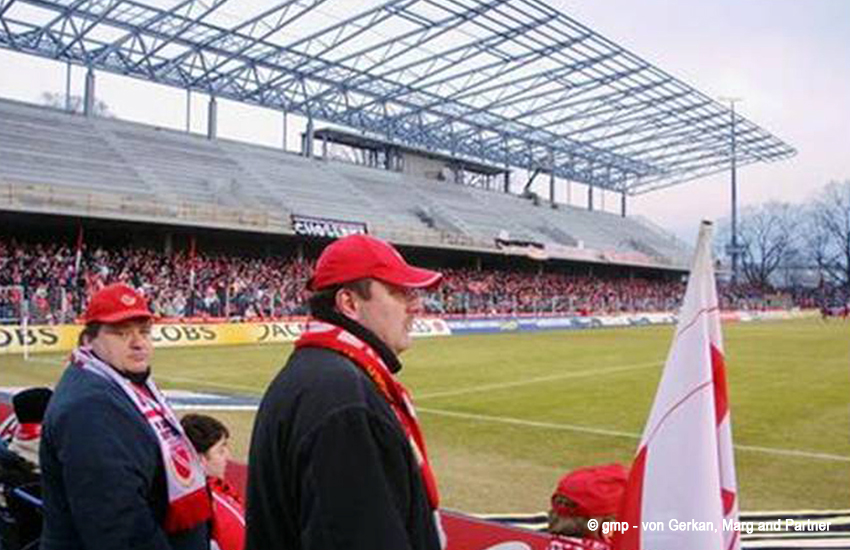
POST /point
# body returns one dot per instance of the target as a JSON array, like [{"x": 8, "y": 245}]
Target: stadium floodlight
[{"x": 734, "y": 250}]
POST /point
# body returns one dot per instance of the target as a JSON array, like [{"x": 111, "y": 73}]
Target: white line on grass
[
  {"x": 528, "y": 423},
  {"x": 617, "y": 433},
  {"x": 550, "y": 378},
  {"x": 228, "y": 385},
  {"x": 209, "y": 407},
  {"x": 517, "y": 421},
  {"x": 52, "y": 362},
  {"x": 166, "y": 378}
]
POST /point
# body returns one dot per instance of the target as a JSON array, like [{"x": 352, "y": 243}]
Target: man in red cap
[
  {"x": 588, "y": 493},
  {"x": 118, "y": 471},
  {"x": 337, "y": 456}
]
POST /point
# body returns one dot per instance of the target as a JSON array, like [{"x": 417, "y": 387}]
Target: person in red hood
[
  {"x": 211, "y": 440},
  {"x": 593, "y": 492},
  {"x": 29, "y": 406}
]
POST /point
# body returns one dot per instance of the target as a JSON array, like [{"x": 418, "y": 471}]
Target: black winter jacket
[{"x": 330, "y": 467}]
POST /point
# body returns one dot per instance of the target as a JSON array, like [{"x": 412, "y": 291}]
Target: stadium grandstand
[
  {"x": 443, "y": 122},
  {"x": 467, "y": 132},
  {"x": 53, "y": 162},
  {"x": 441, "y": 96}
]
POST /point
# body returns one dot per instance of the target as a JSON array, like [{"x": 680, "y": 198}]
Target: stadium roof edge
[{"x": 509, "y": 82}]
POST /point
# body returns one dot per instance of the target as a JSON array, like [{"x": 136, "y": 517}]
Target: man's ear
[{"x": 347, "y": 303}]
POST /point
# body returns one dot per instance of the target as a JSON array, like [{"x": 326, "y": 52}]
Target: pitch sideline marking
[
  {"x": 527, "y": 381},
  {"x": 167, "y": 378},
  {"x": 535, "y": 424},
  {"x": 228, "y": 386},
  {"x": 617, "y": 433}
]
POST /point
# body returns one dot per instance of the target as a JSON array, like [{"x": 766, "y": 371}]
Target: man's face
[
  {"x": 568, "y": 526},
  {"x": 574, "y": 525},
  {"x": 127, "y": 346},
  {"x": 389, "y": 313}
]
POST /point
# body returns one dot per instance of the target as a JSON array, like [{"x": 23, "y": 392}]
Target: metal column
[
  {"x": 88, "y": 101},
  {"x": 212, "y": 118}
]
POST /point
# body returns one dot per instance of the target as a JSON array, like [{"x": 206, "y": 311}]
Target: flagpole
[
  {"x": 77, "y": 264},
  {"x": 192, "y": 245}
]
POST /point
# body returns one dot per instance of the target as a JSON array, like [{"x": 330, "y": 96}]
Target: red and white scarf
[
  {"x": 188, "y": 500},
  {"x": 26, "y": 442},
  {"x": 319, "y": 334}
]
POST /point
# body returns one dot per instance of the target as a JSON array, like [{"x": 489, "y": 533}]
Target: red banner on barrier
[
  {"x": 466, "y": 532},
  {"x": 469, "y": 533}
]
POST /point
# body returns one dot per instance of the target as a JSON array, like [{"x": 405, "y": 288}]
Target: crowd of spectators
[
  {"x": 471, "y": 291},
  {"x": 233, "y": 286},
  {"x": 176, "y": 284}
]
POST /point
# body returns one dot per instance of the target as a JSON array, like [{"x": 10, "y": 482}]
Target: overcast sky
[{"x": 789, "y": 61}]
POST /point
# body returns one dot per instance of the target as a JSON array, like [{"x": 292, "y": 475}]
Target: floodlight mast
[{"x": 733, "y": 247}]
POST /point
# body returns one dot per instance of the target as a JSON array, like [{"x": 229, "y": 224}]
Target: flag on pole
[
  {"x": 192, "y": 265},
  {"x": 682, "y": 492},
  {"x": 79, "y": 256}
]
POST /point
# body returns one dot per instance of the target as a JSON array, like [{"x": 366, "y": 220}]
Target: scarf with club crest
[{"x": 188, "y": 499}]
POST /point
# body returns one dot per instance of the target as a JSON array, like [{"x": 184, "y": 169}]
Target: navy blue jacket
[{"x": 103, "y": 479}]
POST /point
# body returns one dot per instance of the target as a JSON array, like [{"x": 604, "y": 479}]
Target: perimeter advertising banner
[
  {"x": 58, "y": 338},
  {"x": 516, "y": 324}
]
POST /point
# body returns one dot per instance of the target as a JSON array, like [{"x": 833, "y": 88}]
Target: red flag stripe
[
  {"x": 718, "y": 371},
  {"x": 728, "y": 498},
  {"x": 630, "y": 509}
]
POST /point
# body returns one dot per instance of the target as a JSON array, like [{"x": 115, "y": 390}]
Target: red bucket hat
[
  {"x": 116, "y": 303},
  {"x": 596, "y": 491},
  {"x": 362, "y": 256}
]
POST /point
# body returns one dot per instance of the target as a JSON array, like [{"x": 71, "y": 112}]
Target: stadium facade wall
[{"x": 59, "y": 338}]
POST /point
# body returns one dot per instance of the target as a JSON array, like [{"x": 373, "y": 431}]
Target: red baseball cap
[
  {"x": 116, "y": 303},
  {"x": 596, "y": 491},
  {"x": 363, "y": 256}
]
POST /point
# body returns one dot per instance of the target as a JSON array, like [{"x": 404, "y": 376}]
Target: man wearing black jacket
[{"x": 337, "y": 459}]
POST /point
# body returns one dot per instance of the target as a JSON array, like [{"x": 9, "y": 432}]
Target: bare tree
[
  {"x": 815, "y": 243},
  {"x": 830, "y": 241},
  {"x": 75, "y": 102},
  {"x": 766, "y": 234}
]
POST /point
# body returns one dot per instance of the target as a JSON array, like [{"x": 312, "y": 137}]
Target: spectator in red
[
  {"x": 29, "y": 406},
  {"x": 210, "y": 439},
  {"x": 587, "y": 493},
  {"x": 240, "y": 286}
]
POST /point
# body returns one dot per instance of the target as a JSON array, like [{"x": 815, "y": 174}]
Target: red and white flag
[
  {"x": 79, "y": 254},
  {"x": 192, "y": 264},
  {"x": 682, "y": 492}
]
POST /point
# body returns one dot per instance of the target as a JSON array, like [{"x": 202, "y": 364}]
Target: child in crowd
[{"x": 210, "y": 439}]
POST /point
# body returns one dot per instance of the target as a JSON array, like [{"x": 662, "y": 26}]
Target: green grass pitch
[{"x": 505, "y": 415}]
